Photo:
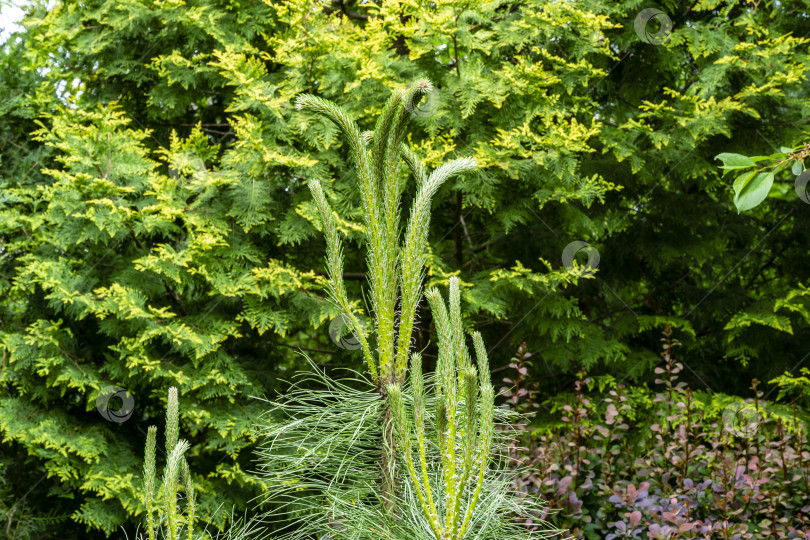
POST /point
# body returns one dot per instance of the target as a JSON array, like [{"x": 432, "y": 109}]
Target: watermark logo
[
  {"x": 800, "y": 185},
  {"x": 741, "y": 419},
  {"x": 646, "y": 21},
  {"x": 115, "y": 404},
  {"x": 188, "y": 169},
  {"x": 423, "y": 105},
  {"x": 571, "y": 251},
  {"x": 339, "y": 331}
]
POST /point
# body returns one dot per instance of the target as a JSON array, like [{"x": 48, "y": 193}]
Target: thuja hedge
[{"x": 157, "y": 229}]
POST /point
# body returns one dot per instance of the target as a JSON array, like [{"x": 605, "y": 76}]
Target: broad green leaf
[
  {"x": 751, "y": 189},
  {"x": 741, "y": 181},
  {"x": 786, "y": 150},
  {"x": 733, "y": 162},
  {"x": 797, "y": 168}
]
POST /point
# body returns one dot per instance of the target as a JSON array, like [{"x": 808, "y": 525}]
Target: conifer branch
[
  {"x": 487, "y": 426},
  {"x": 368, "y": 189},
  {"x": 465, "y": 416},
  {"x": 337, "y": 287},
  {"x": 399, "y": 268},
  {"x": 414, "y": 253}
]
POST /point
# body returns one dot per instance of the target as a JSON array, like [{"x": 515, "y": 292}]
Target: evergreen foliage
[
  {"x": 156, "y": 229},
  {"x": 396, "y": 266},
  {"x": 465, "y": 425}
]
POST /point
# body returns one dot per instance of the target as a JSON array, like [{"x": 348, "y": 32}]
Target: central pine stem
[{"x": 388, "y": 459}]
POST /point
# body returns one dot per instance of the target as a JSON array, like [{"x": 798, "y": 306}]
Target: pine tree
[
  {"x": 326, "y": 433},
  {"x": 396, "y": 266}
]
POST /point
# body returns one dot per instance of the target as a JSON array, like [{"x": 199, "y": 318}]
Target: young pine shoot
[
  {"x": 176, "y": 466},
  {"x": 328, "y": 439}
]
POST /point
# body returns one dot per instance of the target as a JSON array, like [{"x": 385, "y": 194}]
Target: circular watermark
[
  {"x": 800, "y": 185},
  {"x": 187, "y": 169},
  {"x": 741, "y": 419},
  {"x": 340, "y": 337},
  {"x": 642, "y": 26},
  {"x": 108, "y": 410},
  {"x": 571, "y": 251},
  {"x": 426, "y": 104}
]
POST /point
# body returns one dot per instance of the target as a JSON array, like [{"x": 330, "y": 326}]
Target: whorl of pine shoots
[
  {"x": 384, "y": 284},
  {"x": 395, "y": 267},
  {"x": 387, "y": 140},
  {"x": 149, "y": 468},
  {"x": 172, "y": 420},
  {"x": 170, "y": 474},
  {"x": 464, "y": 416},
  {"x": 376, "y": 155}
]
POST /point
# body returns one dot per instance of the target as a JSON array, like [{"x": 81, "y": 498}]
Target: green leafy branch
[{"x": 757, "y": 173}]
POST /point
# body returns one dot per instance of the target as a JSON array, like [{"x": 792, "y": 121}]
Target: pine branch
[{"x": 337, "y": 288}]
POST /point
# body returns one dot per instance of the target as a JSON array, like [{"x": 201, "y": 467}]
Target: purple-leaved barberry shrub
[{"x": 618, "y": 462}]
